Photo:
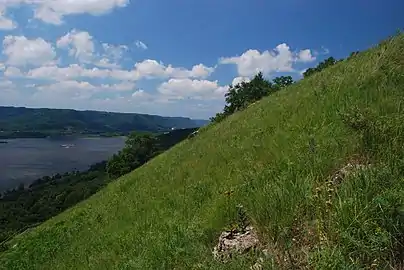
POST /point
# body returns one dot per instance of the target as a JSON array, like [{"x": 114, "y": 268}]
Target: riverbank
[{"x": 25, "y": 160}]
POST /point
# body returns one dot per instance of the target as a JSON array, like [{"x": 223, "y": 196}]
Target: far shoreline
[{"x": 4, "y": 139}]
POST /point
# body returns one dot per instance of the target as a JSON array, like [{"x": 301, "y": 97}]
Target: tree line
[{"x": 241, "y": 95}]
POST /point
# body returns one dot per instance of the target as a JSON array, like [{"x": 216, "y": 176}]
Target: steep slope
[{"x": 274, "y": 157}]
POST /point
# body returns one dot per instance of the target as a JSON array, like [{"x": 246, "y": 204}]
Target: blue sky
[{"x": 174, "y": 57}]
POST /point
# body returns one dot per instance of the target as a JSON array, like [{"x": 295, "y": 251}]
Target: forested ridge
[{"x": 39, "y": 123}]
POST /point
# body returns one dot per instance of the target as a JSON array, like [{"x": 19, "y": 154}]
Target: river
[{"x": 25, "y": 160}]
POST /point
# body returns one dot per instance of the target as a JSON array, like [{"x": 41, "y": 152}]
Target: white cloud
[
  {"x": 123, "y": 86},
  {"x": 106, "y": 63},
  {"x": 142, "y": 97},
  {"x": 147, "y": 69},
  {"x": 6, "y": 84},
  {"x": 238, "y": 80},
  {"x": 53, "y": 11},
  {"x": 201, "y": 71},
  {"x": 74, "y": 71},
  {"x": 141, "y": 45},
  {"x": 66, "y": 85},
  {"x": 114, "y": 51},
  {"x": 139, "y": 93},
  {"x": 120, "y": 74},
  {"x": 151, "y": 69},
  {"x": 72, "y": 89},
  {"x": 305, "y": 56},
  {"x": 79, "y": 43},
  {"x": 82, "y": 46},
  {"x": 5, "y": 22},
  {"x": 21, "y": 51},
  {"x": 68, "y": 90},
  {"x": 194, "y": 89},
  {"x": 252, "y": 61},
  {"x": 13, "y": 72}
]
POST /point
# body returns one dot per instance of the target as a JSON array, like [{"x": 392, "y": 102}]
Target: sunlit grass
[{"x": 169, "y": 213}]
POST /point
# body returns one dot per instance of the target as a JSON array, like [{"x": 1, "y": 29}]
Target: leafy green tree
[
  {"x": 281, "y": 82},
  {"x": 218, "y": 117},
  {"x": 139, "y": 148},
  {"x": 330, "y": 61},
  {"x": 241, "y": 95}
]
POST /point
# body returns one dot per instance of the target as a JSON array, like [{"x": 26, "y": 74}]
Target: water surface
[{"x": 25, "y": 160}]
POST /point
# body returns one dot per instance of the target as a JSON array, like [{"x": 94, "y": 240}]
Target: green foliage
[
  {"x": 321, "y": 66},
  {"x": 46, "y": 197},
  {"x": 281, "y": 82},
  {"x": 169, "y": 213},
  {"x": 139, "y": 148},
  {"x": 241, "y": 95}
]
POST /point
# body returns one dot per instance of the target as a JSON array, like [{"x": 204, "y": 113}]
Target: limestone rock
[{"x": 231, "y": 243}]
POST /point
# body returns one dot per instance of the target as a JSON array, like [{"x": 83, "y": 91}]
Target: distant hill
[{"x": 26, "y": 122}]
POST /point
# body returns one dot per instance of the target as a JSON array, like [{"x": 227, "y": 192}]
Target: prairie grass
[{"x": 275, "y": 158}]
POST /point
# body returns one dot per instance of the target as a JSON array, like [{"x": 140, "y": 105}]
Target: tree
[
  {"x": 239, "y": 96},
  {"x": 281, "y": 82},
  {"x": 218, "y": 117},
  {"x": 139, "y": 148},
  {"x": 353, "y": 54},
  {"x": 330, "y": 61}
]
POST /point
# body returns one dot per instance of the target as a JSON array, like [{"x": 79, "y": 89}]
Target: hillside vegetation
[
  {"x": 275, "y": 158},
  {"x": 26, "y": 207},
  {"x": 39, "y": 123}
]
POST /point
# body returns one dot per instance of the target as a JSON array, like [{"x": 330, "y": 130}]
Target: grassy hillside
[
  {"x": 276, "y": 157},
  {"x": 27, "y": 122}
]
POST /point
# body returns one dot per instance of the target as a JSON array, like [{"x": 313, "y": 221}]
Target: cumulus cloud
[
  {"x": 53, "y": 11},
  {"x": 152, "y": 68},
  {"x": 79, "y": 43},
  {"x": 82, "y": 46},
  {"x": 305, "y": 56},
  {"x": 70, "y": 72},
  {"x": 280, "y": 59},
  {"x": 106, "y": 63},
  {"x": 21, "y": 51},
  {"x": 192, "y": 89},
  {"x": 141, "y": 45},
  {"x": 71, "y": 84},
  {"x": 252, "y": 61}
]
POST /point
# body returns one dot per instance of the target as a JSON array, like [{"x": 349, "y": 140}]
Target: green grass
[{"x": 169, "y": 213}]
